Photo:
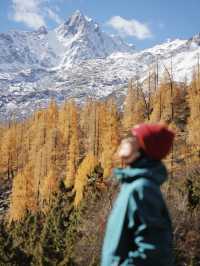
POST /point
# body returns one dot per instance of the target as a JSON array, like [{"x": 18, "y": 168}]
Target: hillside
[{"x": 59, "y": 163}]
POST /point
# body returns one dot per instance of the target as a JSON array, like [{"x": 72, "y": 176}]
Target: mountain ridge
[{"x": 76, "y": 60}]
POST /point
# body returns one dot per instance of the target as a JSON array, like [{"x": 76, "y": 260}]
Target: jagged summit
[
  {"x": 195, "y": 39},
  {"x": 83, "y": 39},
  {"x": 78, "y": 17},
  {"x": 42, "y": 30},
  {"x": 77, "y": 14},
  {"x": 76, "y": 21}
]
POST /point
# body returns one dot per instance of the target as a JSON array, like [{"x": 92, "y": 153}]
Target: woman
[{"x": 139, "y": 231}]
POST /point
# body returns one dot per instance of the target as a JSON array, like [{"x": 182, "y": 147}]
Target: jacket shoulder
[{"x": 144, "y": 183}]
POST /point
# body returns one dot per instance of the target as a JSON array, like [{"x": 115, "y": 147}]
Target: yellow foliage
[
  {"x": 85, "y": 169},
  {"x": 47, "y": 147},
  {"x": 194, "y": 119},
  {"x": 23, "y": 196},
  {"x": 49, "y": 186},
  {"x": 90, "y": 119},
  {"x": 73, "y": 150},
  {"x": 134, "y": 108},
  {"x": 110, "y": 137}
]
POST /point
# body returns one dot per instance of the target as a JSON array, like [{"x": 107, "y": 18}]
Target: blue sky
[{"x": 141, "y": 22}]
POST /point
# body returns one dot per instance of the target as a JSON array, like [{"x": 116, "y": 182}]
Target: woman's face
[{"x": 128, "y": 150}]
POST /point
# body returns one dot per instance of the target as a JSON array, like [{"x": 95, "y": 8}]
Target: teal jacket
[{"x": 139, "y": 231}]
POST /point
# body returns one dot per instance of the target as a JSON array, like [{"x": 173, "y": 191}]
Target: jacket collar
[{"x": 143, "y": 167}]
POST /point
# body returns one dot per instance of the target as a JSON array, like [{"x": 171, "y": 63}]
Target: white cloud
[
  {"x": 54, "y": 16},
  {"x": 28, "y": 12},
  {"x": 131, "y": 27},
  {"x": 33, "y": 13}
]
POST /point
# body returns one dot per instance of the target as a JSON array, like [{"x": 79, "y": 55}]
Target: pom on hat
[{"x": 156, "y": 140}]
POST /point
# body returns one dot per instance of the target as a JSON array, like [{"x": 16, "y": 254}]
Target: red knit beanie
[{"x": 155, "y": 139}]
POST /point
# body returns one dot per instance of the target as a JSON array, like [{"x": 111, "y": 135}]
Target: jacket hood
[{"x": 144, "y": 167}]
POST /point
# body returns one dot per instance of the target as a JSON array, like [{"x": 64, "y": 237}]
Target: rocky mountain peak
[
  {"x": 42, "y": 30},
  {"x": 195, "y": 39}
]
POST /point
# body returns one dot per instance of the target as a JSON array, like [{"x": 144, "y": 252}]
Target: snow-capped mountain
[
  {"x": 78, "y": 59},
  {"x": 83, "y": 39},
  {"x": 78, "y": 39}
]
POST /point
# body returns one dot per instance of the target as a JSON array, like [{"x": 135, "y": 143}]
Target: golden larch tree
[
  {"x": 73, "y": 154},
  {"x": 110, "y": 137},
  {"x": 86, "y": 167},
  {"x": 194, "y": 118}
]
